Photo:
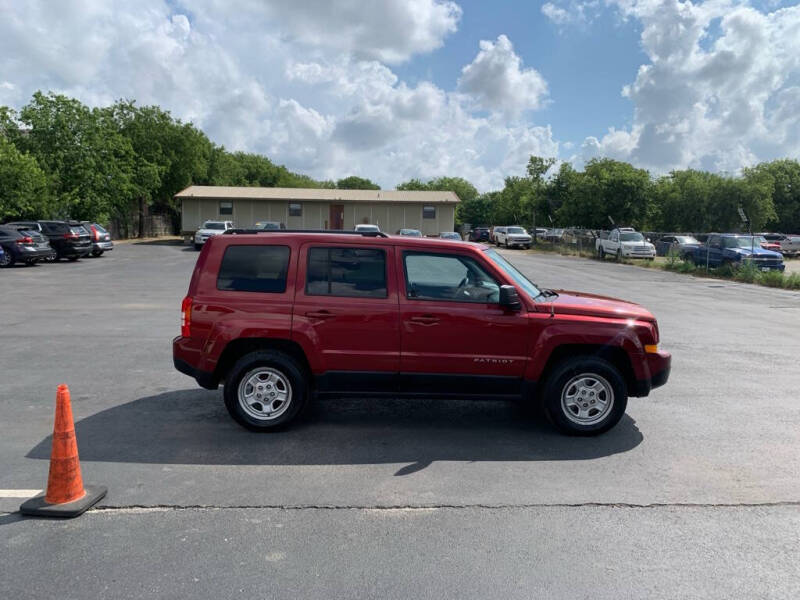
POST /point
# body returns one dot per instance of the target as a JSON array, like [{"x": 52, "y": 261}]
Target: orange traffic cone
[{"x": 65, "y": 495}]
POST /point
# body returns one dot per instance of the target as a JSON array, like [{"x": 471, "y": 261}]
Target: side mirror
[{"x": 509, "y": 298}]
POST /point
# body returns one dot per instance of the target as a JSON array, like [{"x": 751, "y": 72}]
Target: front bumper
[
  {"x": 658, "y": 365},
  {"x": 638, "y": 254},
  {"x": 518, "y": 241}
]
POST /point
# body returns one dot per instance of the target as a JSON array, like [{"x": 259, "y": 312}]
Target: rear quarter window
[{"x": 254, "y": 269}]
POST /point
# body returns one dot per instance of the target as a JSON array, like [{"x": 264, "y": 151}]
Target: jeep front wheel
[
  {"x": 585, "y": 396},
  {"x": 265, "y": 390}
]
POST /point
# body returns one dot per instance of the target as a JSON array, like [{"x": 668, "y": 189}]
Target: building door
[{"x": 337, "y": 216}]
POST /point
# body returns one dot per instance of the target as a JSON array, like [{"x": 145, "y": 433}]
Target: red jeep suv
[{"x": 281, "y": 316}]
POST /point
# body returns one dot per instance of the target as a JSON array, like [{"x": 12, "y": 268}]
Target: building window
[
  {"x": 295, "y": 209},
  {"x": 428, "y": 212},
  {"x": 226, "y": 208}
]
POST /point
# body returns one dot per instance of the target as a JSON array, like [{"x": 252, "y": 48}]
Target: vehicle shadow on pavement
[{"x": 193, "y": 427}]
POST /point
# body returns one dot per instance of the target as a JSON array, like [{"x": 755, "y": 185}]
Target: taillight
[
  {"x": 186, "y": 317},
  {"x": 25, "y": 240},
  {"x": 95, "y": 234},
  {"x": 71, "y": 236}
]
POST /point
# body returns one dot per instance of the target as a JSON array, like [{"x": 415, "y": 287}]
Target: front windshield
[
  {"x": 411, "y": 232},
  {"x": 367, "y": 228},
  {"x": 210, "y": 225},
  {"x": 741, "y": 242},
  {"x": 514, "y": 274},
  {"x": 686, "y": 239},
  {"x": 631, "y": 237},
  {"x": 515, "y": 230}
]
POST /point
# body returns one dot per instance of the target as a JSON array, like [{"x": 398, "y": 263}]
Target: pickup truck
[
  {"x": 790, "y": 245},
  {"x": 734, "y": 249},
  {"x": 625, "y": 242},
  {"x": 511, "y": 236},
  {"x": 280, "y": 317}
]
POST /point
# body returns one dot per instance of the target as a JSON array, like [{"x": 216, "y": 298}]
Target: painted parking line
[{"x": 19, "y": 493}]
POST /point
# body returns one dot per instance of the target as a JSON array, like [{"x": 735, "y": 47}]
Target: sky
[{"x": 396, "y": 89}]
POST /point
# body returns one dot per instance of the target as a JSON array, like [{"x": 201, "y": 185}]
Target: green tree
[
  {"x": 24, "y": 190},
  {"x": 90, "y": 165},
  {"x": 609, "y": 190},
  {"x": 356, "y": 183},
  {"x": 785, "y": 179}
]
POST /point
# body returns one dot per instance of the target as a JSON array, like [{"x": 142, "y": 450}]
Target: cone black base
[{"x": 37, "y": 507}]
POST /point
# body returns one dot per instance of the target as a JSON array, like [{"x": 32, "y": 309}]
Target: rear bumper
[
  {"x": 30, "y": 253},
  {"x": 79, "y": 251},
  {"x": 659, "y": 365},
  {"x": 179, "y": 355},
  {"x": 104, "y": 246}
]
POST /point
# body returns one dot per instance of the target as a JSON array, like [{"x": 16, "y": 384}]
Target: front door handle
[
  {"x": 320, "y": 314},
  {"x": 425, "y": 320}
]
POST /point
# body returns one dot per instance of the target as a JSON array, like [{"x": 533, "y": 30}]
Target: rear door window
[
  {"x": 254, "y": 269},
  {"x": 352, "y": 272}
]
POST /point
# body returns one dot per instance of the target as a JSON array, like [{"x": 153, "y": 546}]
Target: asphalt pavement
[{"x": 696, "y": 493}]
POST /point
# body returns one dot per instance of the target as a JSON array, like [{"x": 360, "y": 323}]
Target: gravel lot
[{"x": 696, "y": 494}]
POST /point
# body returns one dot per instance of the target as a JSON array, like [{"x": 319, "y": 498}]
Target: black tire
[
  {"x": 560, "y": 378},
  {"x": 97, "y": 253},
  {"x": 5, "y": 259},
  {"x": 277, "y": 362}
]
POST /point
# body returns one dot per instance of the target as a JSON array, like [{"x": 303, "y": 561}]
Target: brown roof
[{"x": 218, "y": 192}]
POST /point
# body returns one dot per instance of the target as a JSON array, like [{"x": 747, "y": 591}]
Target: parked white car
[
  {"x": 512, "y": 235},
  {"x": 368, "y": 227},
  {"x": 209, "y": 229},
  {"x": 625, "y": 242}
]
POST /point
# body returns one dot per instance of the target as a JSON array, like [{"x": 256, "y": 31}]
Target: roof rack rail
[{"x": 236, "y": 231}]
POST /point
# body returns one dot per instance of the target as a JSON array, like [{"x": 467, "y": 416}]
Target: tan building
[{"x": 305, "y": 208}]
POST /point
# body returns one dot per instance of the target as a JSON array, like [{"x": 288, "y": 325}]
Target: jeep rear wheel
[
  {"x": 585, "y": 396},
  {"x": 265, "y": 390}
]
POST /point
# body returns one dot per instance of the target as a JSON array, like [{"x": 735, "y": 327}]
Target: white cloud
[
  {"x": 572, "y": 12},
  {"x": 387, "y": 30},
  {"x": 719, "y": 92},
  {"x": 309, "y": 88},
  {"x": 497, "y": 81}
]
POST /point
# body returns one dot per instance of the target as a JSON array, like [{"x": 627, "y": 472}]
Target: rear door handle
[
  {"x": 425, "y": 320},
  {"x": 320, "y": 314}
]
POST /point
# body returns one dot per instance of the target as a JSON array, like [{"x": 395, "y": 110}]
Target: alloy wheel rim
[
  {"x": 587, "y": 399},
  {"x": 264, "y": 393}
]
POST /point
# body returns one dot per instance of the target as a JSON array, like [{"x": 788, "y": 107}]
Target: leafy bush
[
  {"x": 792, "y": 282},
  {"x": 746, "y": 272},
  {"x": 774, "y": 279}
]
